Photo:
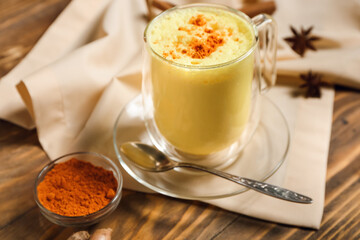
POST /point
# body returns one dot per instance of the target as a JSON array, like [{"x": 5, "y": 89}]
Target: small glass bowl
[{"x": 86, "y": 220}]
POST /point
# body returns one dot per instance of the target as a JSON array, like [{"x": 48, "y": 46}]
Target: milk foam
[{"x": 219, "y": 36}]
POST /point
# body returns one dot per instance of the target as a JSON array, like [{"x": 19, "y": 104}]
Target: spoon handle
[{"x": 269, "y": 189}]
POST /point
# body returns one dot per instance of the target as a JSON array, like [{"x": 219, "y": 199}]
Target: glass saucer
[{"x": 260, "y": 159}]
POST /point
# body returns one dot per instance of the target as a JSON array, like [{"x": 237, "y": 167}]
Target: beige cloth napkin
[{"x": 86, "y": 67}]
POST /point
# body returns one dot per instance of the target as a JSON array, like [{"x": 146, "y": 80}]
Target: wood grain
[
  {"x": 21, "y": 24},
  {"x": 146, "y": 216}
]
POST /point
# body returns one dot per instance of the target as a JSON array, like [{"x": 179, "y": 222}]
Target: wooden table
[{"x": 152, "y": 216}]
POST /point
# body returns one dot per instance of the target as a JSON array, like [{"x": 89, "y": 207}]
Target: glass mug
[{"x": 206, "y": 114}]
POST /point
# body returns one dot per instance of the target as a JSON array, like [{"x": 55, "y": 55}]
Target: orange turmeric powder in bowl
[{"x": 78, "y": 189}]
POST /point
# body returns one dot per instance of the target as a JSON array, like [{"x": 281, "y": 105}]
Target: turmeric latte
[{"x": 201, "y": 75}]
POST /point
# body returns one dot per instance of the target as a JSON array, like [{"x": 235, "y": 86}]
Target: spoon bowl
[{"x": 147, "y": 157}]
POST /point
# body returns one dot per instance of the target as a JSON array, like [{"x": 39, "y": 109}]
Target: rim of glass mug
[{"x": 212, "y": 66}]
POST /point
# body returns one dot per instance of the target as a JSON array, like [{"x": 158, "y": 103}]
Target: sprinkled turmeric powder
[
  {"x": 201, "y": 44},
  {"x": 206, "y": 43},
  {"x": 198, "y": 20},
  {"x": 76, "y": 188}
]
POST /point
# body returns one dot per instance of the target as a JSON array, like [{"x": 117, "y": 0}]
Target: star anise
[
  {"x": 301, "y": 41},
  {"x": 312, "y": 83}
]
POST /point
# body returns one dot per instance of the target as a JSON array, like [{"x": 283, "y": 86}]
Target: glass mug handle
[{"x": 267, "y": 31}]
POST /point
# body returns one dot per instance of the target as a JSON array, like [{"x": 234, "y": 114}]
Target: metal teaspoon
[{"x": 151, "y": 159}]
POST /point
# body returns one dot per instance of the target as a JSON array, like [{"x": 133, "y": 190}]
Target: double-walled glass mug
[{"x": 207, "y": 113}]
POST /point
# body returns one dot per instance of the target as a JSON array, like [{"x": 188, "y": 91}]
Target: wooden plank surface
[{"x": 146, "y": 216}]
